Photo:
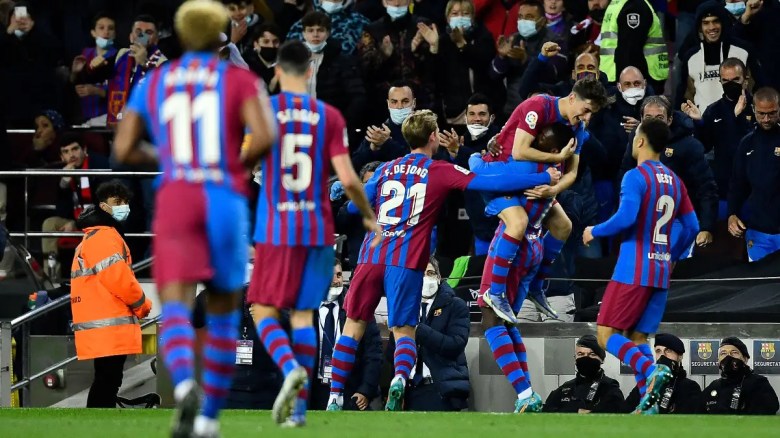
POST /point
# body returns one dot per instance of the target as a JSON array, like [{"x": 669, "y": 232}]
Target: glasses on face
[
  {"x": 764, "y": 115},
  {"x": 591, "y": 355}
]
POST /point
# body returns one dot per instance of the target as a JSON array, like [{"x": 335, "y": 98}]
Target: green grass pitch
[{"x": 143, "y": 423}]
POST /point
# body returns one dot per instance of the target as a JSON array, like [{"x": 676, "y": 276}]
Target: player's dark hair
[
  {"x": 553, "y": 137},
  {"x": 100, "y": 15},
  {"x": 370, "y": 167},
  {"x": 480, "y": 99},
  {"x": 592, "y": 89},
  {"x": 113, "y": 189},
  {"x": 659, "y": 101},
  {"x": 734, "y": 63},
  {"x": 336, "y": 262},
  {"x": 69, "y": 138},
  {"x": 316, "y": 18},
  {"x": 766, "y": 94},
  {"x": 270, "y": 28},
  {"x": 293, "y": 57},
  {"x": 657, "y": 133}
]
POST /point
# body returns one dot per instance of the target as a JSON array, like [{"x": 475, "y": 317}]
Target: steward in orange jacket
[{"x": 106, "y": 298}]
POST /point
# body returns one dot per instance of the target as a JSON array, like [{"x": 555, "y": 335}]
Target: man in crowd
[
  {"x": 591, "y": 391},
  {"x": 347, "y": 25},
  {"x": 93, "y": 96}
]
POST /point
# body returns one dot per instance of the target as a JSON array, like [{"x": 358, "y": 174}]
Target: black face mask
[
  {"x": 597, "y": 15},
  {"x": 588, "y": 367},
  {"x": 268, "y": 53},
  {"x": 732, "y": 90},
  {"x": 731, "y": 367}
]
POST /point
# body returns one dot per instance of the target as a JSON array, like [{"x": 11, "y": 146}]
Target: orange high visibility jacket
[{"x": 105, "y": 296}]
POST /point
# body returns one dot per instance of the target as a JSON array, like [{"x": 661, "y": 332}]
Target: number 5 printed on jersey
[
  {"x": 292, "y": 156},
  {"x": 398, "y": 191}
]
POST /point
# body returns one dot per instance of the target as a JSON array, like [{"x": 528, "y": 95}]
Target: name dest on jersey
[
  {"x": 298, "y": 115},
  {"x": 302, "y": 205},
  {"x": 403, "y": 169},
  {"x": 185, "y": 76}
]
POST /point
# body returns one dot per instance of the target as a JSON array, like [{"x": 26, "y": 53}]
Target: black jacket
[
  {"x": 757, "y": 397},
  {"x": 755, "y": 181},
  {"x": 685, "y": 156},
  {"x": 394, "y": 147},
  {"x": 686, "y": 397},
  {"x": 721, "y": 130},
  {"x": 441, "y": 344},
  {"x": 763, "y": 33},
  {"x": 631, "y": 40},
  {"x": 576, "y": 394},
  {"x": 340, "y": 84}
]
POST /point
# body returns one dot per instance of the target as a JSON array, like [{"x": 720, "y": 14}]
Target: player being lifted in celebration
[
  {"x": 195, "y": 109},
  {"x": 294, "y": 232},
  {"x": 408, "y": 194},
  {"x": 515, "y": 138},
  {"x": 504, "y": 339},
  {"x": 651, "y": 198}
]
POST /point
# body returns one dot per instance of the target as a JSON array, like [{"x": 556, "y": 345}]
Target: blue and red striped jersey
[
  {"x": 408, "y": 194},
  {"x": 192, "y": 109},
  {"x": 94, "y": 106},
  {"x": 645, "y": 253},
  {"x": 294, "y": 204}
]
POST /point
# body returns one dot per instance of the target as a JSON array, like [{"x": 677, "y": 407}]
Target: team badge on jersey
[
  {"x": 531, "y": 118},
  {"x": 669, "y": 152},
  {"x": 633, "y": 20}
]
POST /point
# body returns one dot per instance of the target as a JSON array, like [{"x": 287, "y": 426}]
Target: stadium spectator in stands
[
  {"x": 93, "y": 96},
  {"x": 515, "y": 51},
  {"x": 346, "y": 25},
  {"x": 684, "y": 155},
  {"x": 128, "y": 67},
  {"x": 631, "y": 35},
  {"x": 347, "y": 223},
  {"x": 541, "y": 69},
  {"x": 758, "y": 25},
  {"x": 705, "y": 50},
  {"x": 106, "y": 299},
  {"x": 682, "y": 395},
  {"x": 588, "y": 30},
  {"x": 362, "y": 386},
  {"x": 263, "y": 59},
  {"x": 724, "y": 124},
  {"x": 385, "y": 143},
  {"x": 465, "y": 51},
  {"x": 399, "y": 46},
  {"x": 590, "y": 390},
  {"x": 335, "y": 78},
  {"x": 29, "y": 55},
  {"x": 498, "y": 16},
  {"x": 558, "y": 24},
  {"x": 244, "y": 24},
  {"x": 739, "y": 391},
  {"x": 74, "y": 195},
  {"x": 49, "y": 126},
  {"x": 755, "y": 184},
  {"x": 440, "y": 378}
]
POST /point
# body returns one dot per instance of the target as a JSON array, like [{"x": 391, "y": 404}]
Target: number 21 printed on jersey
[{"x": 398, "y": 191}]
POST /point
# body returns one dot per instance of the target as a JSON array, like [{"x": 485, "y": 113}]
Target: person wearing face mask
[
  {"x": 93, "y": 96},
  {"x": 262, "y": 60},
  {"x": 243, "y": 24},
  {"x": 363, "y": 383},
  {"x": 439, "y": 380},
  {"x": 591, "y": 391},
  {"x": 386, "y": 143},
  {"x": 682, "y": 395},
  {"x": 106, "y": 298},
  {"x": 755, "y": 182},
  {"x": 739, "y": 391},
  {"x": 724, "y": 123},
  {"x": 346, "y": 25}
]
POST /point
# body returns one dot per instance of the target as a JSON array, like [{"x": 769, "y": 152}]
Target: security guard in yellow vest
[{"x": 631, "y": 35}]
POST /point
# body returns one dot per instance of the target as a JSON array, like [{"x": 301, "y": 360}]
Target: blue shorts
[
  {"x": 760, "y": 245},
  {"x": 495, "y": 203},
  {"x": 401, "y": 286},
  {"x": 654, "y": 312},
  {"x": 291, "y": 277}
]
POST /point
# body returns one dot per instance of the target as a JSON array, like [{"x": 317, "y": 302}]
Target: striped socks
[
  {"x": 504, "y": 252},
  {"x": 277, "y": 344},
  {"x": 219, "y": 360},
  {"x": 504, "y": 354},
  {"x": 177, "y": 338},
  {"x": 641, "y": 381},
  {"x": 552, "y": 248},
  {"x": 519, "y": 346},
  {"x": 343, "y": 361},
  {"x": 628, "y": 353},
  {"x": 305, "y": 349},
  {"x": 405, "y": 356}
]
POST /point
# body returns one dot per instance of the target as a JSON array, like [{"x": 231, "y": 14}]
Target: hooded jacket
[{"x": 685, "y": 156}]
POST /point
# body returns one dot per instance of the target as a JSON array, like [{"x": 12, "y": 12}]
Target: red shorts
[
  {"x": 291, "y": 277},
  {"x": 624, "y": 305}
]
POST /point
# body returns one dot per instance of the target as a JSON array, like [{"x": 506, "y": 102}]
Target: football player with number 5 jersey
[
  {"x": 408, "y": 194},
  {"x": 196, "y": 109},
  {"x": 651, "y": 198}
]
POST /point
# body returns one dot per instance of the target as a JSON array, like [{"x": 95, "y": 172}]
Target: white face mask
[
  {"x": 332, "y": 7},
  {"x": 334, "y": 293},
  {"x": 120, "y": 212},
  {"x": 476, "y": 131},
  {"x": 526, "y": 28},
  {"x": 398, "y": 115},
  {"x": 430, "y": 287},
  {"x": 316, "y": 48},
  {"x": 633, "y": 95},
  {"x": 396, "y": 12}
]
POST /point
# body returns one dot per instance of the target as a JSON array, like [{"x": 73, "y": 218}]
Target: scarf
[
  {"x": 82, "y": 195},
  {"x": 127, "y": 74}
]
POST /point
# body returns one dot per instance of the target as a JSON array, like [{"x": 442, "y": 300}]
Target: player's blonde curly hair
[
  {"x": 199, "y": 23},
  {"x": 418, "y": 127}
]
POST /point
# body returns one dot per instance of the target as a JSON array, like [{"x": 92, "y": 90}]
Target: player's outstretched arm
[
  {"x": 630, "y": 200},
  {"x": 522, "y": 150},
  {"x": 690, "y": 228},
  {"x": 257, "y": 115},
  {"x": 354, "y": 189},
  {"x": 512, "y": 182},
  {"x": 126, "y": 147}
]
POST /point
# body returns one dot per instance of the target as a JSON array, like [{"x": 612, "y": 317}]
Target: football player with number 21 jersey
[
  {"x": 652, "y": 197},
  {"x": 408, "y": 194},
  {"x": 196, "y": 109}
]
